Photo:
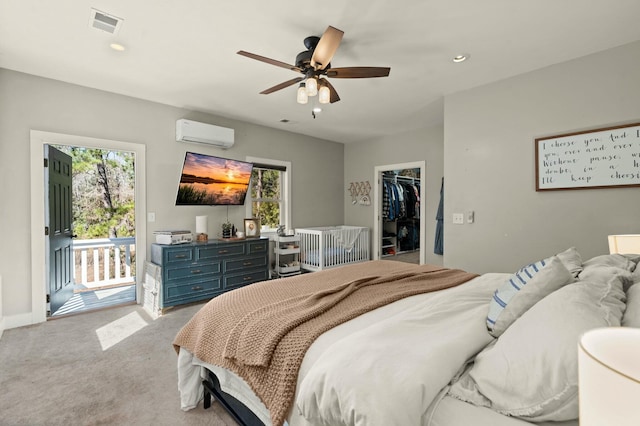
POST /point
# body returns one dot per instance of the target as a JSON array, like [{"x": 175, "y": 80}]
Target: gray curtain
[{"x": 438, "y": 247}]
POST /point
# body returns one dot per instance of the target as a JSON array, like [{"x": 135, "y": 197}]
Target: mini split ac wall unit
[{"x": 208, "y": 134}]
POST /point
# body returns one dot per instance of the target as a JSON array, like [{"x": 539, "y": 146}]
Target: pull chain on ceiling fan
[{"x": 315, "y": 66}]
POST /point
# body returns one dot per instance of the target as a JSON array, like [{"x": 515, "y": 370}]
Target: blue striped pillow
[
  {"x": 523, "y": 289},
  {"x": 503, "y": 295}
]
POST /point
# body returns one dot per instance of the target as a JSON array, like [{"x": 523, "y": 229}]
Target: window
[{"x": 270, "y": 193}]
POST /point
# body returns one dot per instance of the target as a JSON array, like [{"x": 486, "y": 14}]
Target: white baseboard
[
  {"x": 20, "y": 320},
  {"x": 1, "y": 316},
  {"x": 13, "y": 321}
]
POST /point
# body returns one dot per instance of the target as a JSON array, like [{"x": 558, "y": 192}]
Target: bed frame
[
  {"x": 240, "y": 413},
  {"x": 332, "y": 246}
]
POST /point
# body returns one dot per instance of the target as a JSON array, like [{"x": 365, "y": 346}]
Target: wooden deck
[{"x": 88, "y": 300}]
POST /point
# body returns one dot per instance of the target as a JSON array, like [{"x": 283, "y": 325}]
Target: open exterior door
[{"x": 59, "y": 227}]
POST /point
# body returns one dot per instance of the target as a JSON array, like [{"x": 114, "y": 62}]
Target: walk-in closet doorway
[{"x": 408, "y": 231}]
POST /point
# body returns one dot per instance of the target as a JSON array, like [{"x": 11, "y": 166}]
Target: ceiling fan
[{"x": 315, "y": 64}]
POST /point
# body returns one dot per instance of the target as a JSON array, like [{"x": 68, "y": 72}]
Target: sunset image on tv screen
[{"x": 209, "y": 180}]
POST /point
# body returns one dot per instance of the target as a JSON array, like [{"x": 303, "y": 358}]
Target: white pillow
[
  {"x": 531, "y": 370},
  {"x": 523, "y": 290},
  {"x": 636, "y": 275},
  {"x": 572, "y": 260},
  {"x": 631, "y": 317},
  {"x": 616, "y": 260},
  {"x": 600, "y": 268}
]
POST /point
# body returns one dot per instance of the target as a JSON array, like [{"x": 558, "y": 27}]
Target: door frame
[
  {"x": 377, "y": 204},
  {"x": 39, "y": 258}
]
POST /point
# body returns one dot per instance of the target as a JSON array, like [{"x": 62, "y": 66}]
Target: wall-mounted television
[{"x": 213, "y": 181}]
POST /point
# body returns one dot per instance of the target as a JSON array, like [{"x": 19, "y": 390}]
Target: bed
[
  {"x": 437, "y": 357},
  {"x": 332, "y": 246}
]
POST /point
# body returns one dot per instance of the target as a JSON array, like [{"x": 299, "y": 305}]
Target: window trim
[{"x": 285, "y": 190}]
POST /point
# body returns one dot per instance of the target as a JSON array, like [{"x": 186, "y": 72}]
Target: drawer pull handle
[
  {"x": 196, "y": 288},
  {"x": 180, "y": 256},
  {"x": 247, "y": 263},
  {"x": 196, "y": 271},
  {"x": 223, "y": 251},
  {"x": 247, "y": 278}
]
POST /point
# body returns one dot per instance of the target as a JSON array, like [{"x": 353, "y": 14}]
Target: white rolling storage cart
[{"x": 287, "y": 255}]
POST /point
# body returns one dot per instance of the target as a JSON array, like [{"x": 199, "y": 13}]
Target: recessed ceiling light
[
  {"x": 284, "y": 120},
  {"x": 117, "y": 46},
  {"x": 461, "y": 58}
]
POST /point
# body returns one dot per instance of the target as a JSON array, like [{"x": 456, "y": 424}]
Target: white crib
[{"x": 331, "y": 246}]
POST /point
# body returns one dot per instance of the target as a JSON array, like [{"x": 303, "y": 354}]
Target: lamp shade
[
  {"x": 609, "y": 377},
  {"x": 624, "y": 244},
  {"x": 324, "y": 95},
  {"x": 302, "y": 96},
  {"x": 312, "y": 86},
  {"x": 201, "y": 224}
]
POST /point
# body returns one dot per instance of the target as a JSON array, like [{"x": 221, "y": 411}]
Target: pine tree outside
[{"x": 103, "y": 186}]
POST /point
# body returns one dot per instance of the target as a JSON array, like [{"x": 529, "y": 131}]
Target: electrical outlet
[{"x": 458, "y": 218}]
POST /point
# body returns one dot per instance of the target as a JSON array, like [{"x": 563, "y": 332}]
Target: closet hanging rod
[{"x": 395, "y": 178}]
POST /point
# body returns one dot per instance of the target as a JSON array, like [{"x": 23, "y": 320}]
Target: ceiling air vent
[{"x": 105, "y": 22}]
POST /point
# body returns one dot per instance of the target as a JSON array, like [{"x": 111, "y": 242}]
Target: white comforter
[
  {"x": 364, "y": 372},
  {"x": 375, "y": 377}
]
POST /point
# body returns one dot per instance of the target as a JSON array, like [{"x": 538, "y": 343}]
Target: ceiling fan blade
[
  {"x": 358, "y": 72},
  {"x": 333, "y": 94},
  {"x": 281, "y": 85},
  {"x": 269, "y": 61},
  {"x": 326, "y": 48}
]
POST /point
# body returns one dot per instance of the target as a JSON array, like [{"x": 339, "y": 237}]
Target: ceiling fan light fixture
[
  {"x": 312, "y": 86},
  {"x": 302, "y": 97},
  {"x": 315, "y": 63},
  {"x": 324, "y": 94}
]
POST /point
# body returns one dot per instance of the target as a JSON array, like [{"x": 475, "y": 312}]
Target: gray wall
[
  {"x": 28, "y": 102},
  {"x": 488, "y": 156},
  {"x": 489, "y": 163},
  {"x": 360, "y": 159}
]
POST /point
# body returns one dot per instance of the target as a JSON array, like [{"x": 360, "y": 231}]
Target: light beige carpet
[{"x": 110, "y": 367}]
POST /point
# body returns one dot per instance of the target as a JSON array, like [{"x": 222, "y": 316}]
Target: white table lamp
[
  {"x": 201, "y": 228},
  {"x": 624, "y": 244},
  {"x": 609, "y": 377}
]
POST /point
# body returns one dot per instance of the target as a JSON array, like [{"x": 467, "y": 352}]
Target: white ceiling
[{"x": 183, "y": 52}]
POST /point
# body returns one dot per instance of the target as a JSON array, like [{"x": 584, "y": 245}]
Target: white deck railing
[{"x": 99, "y": 262}]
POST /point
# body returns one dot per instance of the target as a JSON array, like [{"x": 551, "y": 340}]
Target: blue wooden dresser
[{"x": 199, "y": 271}]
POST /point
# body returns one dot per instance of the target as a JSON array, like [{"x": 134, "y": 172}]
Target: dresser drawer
[
  {"x": 192, "y": 271},
  {"x": 260, "y": 246},
  {"x": 238, "y": 280},
  {"x": 178, "y": 255},
  {"x": 230, "y": 249},
  {"x": 232, "y": 265},
  {"x": 192, "y": 291}
]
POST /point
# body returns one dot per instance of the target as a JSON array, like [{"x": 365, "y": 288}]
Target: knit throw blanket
[{"x": 262, "y": 331}]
